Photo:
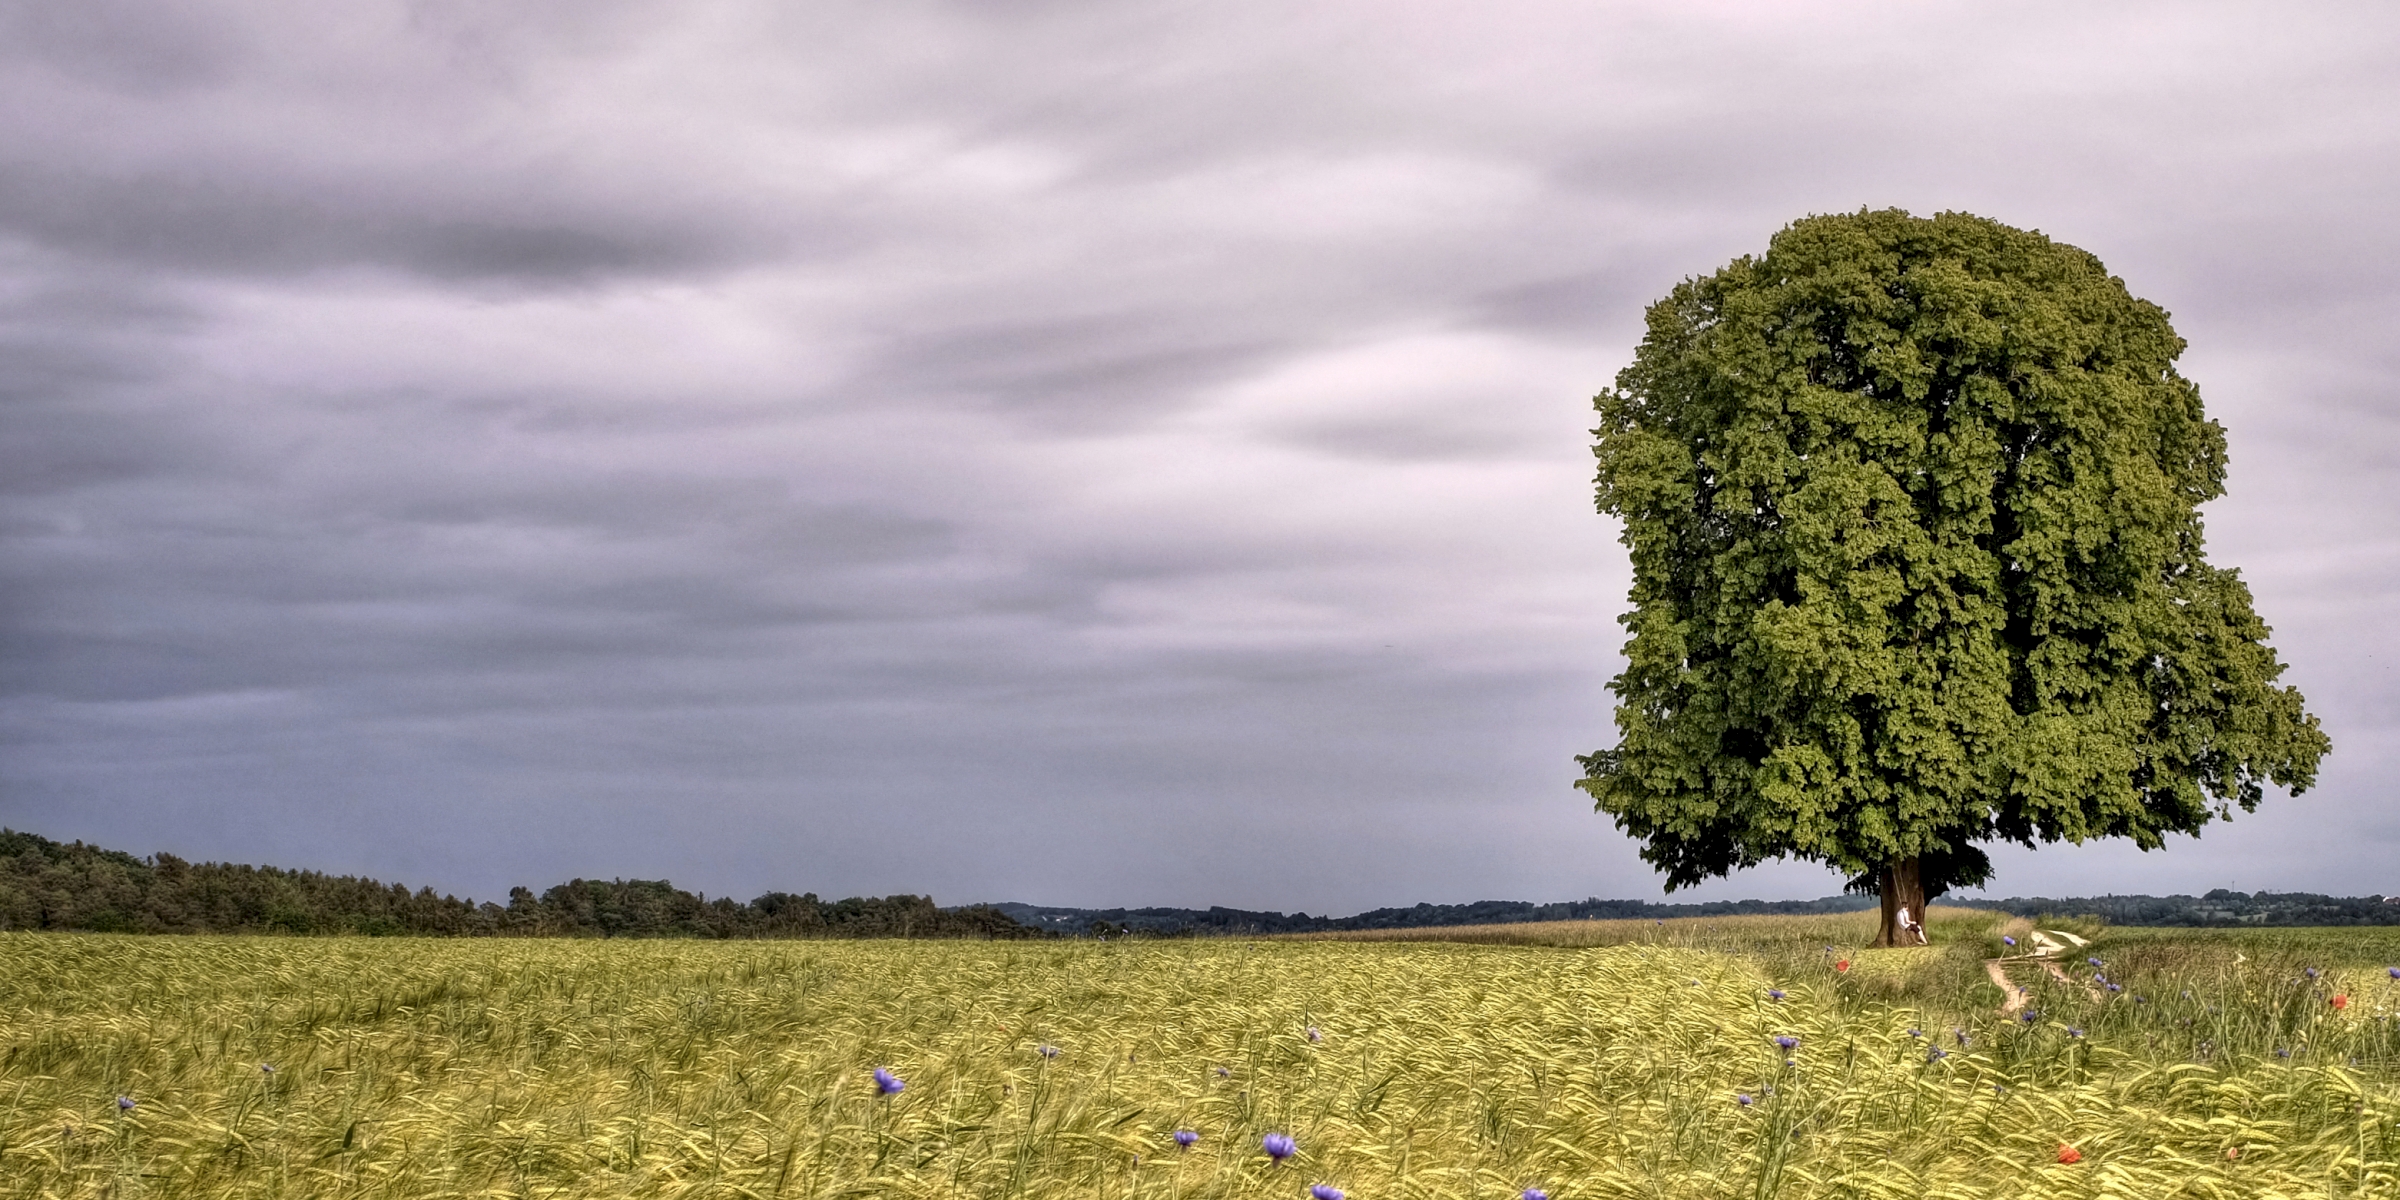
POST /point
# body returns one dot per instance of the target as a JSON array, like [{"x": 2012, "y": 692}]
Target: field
[{"x": 1639, "y": 1059}]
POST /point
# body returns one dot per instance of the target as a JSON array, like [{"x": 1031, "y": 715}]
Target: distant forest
[
  {"x": 2217, "y": 908},
  {"x": 72, "y": 886},
  {"x": 50, "y": 885}
]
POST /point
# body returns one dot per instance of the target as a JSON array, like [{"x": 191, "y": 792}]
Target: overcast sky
[{"x": 1082, "y": 454}]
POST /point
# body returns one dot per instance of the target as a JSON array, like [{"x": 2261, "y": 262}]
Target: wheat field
[{"x": 173, "y": 1067}]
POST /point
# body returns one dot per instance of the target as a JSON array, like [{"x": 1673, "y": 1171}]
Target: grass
[{"x": 1615, "y": 1066}]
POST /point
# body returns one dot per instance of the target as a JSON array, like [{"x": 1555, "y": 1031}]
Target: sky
[{"x": 1077, "y": 454}]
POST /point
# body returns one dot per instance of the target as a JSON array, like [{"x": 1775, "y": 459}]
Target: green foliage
[
  {"x": 50, "y": 885},
  {"x": 1913, "y": 512}
]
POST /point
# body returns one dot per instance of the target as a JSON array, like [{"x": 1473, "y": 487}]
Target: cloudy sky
[{"x": 1084, "y": 454}]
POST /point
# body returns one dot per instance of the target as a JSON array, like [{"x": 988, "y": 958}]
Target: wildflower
[
  {"x": 2029, "y": 1015},
  {"x": 886, "y": 1083},
  {"x": 2074, "y": 1032},
  {"x": 2007, "y": 939},
  {"x": 2068, "y": 1154},
  {"x": 1843, "y": 965},
  {"x": 1223, "y": 1073},
  {"x": 2311, "y": 972},
  {"x": 1278, "y": 1146},
  {"x": 1774, "y": 993},
  {"x": 1936, "y": 1054},
  {"x": 2280, "y": 1052},
  {"x": 1314, "y": 1036},
  {"x": 2341, "y": 1002},
  {"x": 266, "y": 1068},
  {"x": 1325, "y": 1191},
  {"x": 1185, "y": 1138},
  {"x": 2096, "y": 963},
  {"x": 1742, "y": 1098},
  {"x": 2114, "y": 988},
  {"x": 1916, "y": 1033},
  {"x": 1787, "y": 1041},
  {"x": 1047, "y": 1051},
  {"x": 1997, "y": 1089},
  {"x": 124, "y": 1104},
  {"x": 1533, "y": 1193},
  {"x": 2395, "y": 973},
  {"x": 2232, "y": 1153}
]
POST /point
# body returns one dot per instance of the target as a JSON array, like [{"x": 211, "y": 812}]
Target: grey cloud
[{"x": 1081, "y": 457}]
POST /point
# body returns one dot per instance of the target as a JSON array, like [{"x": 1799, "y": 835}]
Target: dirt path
[{"x": 2047, "y": 945}]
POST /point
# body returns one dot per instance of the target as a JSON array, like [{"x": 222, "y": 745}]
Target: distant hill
[
  {"x": 2217, "y": 908},
  {"x": 72, "y": 886},
  {"x": 1203, "y": 922}
]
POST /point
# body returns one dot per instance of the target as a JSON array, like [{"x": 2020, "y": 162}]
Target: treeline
[
  {"x": 2218, "y": 908},
  {"x": 72, "y": 886},
  {"x": 1217, "y": 922}
]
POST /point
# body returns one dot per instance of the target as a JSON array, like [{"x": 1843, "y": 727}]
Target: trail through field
[{"x": 2047, "y": 945}]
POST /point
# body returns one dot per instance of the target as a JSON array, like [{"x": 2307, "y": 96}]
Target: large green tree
[{"x": 1913, "y": 506}]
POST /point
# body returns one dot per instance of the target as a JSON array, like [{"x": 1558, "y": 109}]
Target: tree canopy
[{"x": 1913, "y": 507}]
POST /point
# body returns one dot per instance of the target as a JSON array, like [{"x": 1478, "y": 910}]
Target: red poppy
[
  {"x": 2232, "y": 1152},
  {"x": 2341, "y": 1001},
  {"x": 1843, "y": 965},
  {"x": 2069, "y": 1154}
]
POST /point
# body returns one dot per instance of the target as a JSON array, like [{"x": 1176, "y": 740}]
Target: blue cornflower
[
  {"x": 1916, "y": 1033},
  {"x": 2311, "y": 972},
  {"x": 1047, "y": 1051},
  {"x": 266, "y": 1068},
  {"x": 1787, "y": 1041},
  {"x": 1742, "y": 1098},
  {"x": 1774, "y": 993},
  {"x": 2074, "y": 1032},
  {"x": 2030, "y": 1016},
  {"x": 2007, "y": 939},
  {"x": 1533, "y": 1194},
  {"x": 1223, "y": 1073},
  {"x": 2114, "y": 988},
  {"x": 1186, "y": 1138},
  {"x": 124, "y": 1104},
  {"x": 2280, "y": 1052},
  {"x": 1313, "y": 1035},
  {"x": 1325, "y": 1191},
  {"x": 1936, "y": 1054},
  {"x": 887, "y": 1083},
  {"x": 2096, "y": 963},
  {"x": 2394, "y": 972},
  {"x": 1278, "y": 1146}
]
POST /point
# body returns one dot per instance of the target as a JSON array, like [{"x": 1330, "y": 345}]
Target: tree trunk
[{"x": 1902, "y": 886}]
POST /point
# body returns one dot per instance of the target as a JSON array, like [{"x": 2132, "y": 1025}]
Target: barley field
[{"x": 1691, "y": 1059}]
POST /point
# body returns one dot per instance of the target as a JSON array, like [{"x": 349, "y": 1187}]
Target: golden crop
[{"x": 406, "y": 1068}]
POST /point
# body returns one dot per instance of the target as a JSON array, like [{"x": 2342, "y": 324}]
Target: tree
[{"x": 1913, "y": 507}]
